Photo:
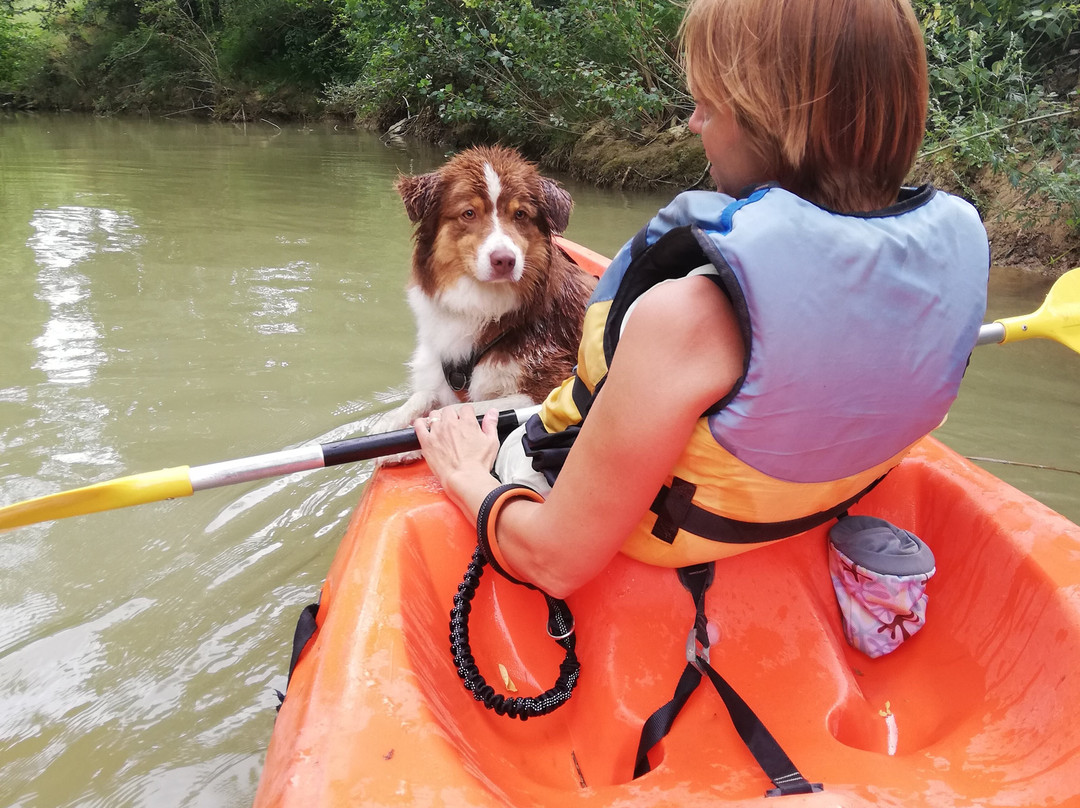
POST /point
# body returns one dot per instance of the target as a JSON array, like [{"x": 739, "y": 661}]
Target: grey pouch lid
[{"x": 881, "y": 546}]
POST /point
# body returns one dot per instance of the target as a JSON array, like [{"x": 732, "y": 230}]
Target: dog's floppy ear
[
  {"x": 419, "y": 194},
  {"x": 556, "y": 205}
]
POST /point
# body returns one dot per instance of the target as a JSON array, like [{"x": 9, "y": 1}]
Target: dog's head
[{"x": 487, "y": 214}]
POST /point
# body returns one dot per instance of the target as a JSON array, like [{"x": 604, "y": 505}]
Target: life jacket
[{"x": 857, "y": 329}]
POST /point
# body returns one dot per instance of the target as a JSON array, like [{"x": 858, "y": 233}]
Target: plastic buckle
[
  {"x": 800, "y": 788},
  {"x": 693, "y": 654}
]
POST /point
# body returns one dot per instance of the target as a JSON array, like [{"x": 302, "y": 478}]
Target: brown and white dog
[{"x": 498, "y": 305}]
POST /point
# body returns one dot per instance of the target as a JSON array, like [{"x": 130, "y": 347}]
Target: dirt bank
[{"x": 1024, "y": 231}]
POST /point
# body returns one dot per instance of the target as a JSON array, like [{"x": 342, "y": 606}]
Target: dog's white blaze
[
  {"x": 497, "y": 239},
  {"x": 494, "y": 185}
]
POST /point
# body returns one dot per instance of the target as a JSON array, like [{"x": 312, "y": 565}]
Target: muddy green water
[{"x": 181, "y": 293}]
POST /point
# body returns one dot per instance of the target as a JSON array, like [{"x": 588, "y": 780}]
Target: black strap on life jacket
[
  {"x": 786, "y": 778},
  {"x": 672, "y": 256},
  {"x": 675, "y": 511}
]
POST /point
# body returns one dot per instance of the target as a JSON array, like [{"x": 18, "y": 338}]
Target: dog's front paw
[
  {"x": 390, "y": 421},
  {"x": 402, "y": 418},
  {"x": 417, "y": 405},
  {"x": 403, "y": 459}
]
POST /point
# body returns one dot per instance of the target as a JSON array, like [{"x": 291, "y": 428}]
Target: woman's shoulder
[
  {"x": 683, "y": 338},
  {"x": 685, "y": 314}
]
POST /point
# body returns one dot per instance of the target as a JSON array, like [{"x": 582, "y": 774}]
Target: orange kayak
[{"x": 977, "y": 709}]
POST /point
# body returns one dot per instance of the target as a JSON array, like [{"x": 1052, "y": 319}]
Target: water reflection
[
  {"x": 276, "y": 293},
  {"x": 69, "y": 348},
  {"x": 64, "y": 238}
]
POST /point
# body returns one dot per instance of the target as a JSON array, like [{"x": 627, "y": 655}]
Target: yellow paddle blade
[
  {"x": 1058, "y": 318},
  {"x": 137, "y": 489}
]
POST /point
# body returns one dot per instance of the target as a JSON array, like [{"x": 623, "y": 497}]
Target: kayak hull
[{"x": 977, "y": 709}]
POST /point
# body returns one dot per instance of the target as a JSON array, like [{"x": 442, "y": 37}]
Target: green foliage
[
  {"x": 993, "y": 101},
  {"x": 536, "y": 73},
  {"x": 21, "y": 52},
  {"x": 116, "y": 54},
  {"x": 295, "y": 42}
]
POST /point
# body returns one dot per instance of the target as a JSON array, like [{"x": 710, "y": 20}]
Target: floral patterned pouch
[{"x": 879, "y": 573}]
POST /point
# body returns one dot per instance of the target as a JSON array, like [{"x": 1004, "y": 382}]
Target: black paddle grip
[{"x": 368, "y": 447}]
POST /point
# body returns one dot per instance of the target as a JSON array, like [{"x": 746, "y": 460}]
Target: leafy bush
[
  {"x": 21, "y": 52},
  {"x": 535, "y": 73},
  {"x": 114, "y": 54},
  {"x": 992, "y": 103},
  {"x": 296, "y": 42}
]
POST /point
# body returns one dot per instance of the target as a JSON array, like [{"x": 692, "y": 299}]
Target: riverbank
[
  {"x": 1026, "y": 230},
  {"x": 591, "y": 87}
]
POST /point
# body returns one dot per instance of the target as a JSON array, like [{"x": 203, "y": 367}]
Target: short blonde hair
[{"x": 831, "y": 93}]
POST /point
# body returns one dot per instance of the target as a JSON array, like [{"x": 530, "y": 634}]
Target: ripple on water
[
  {"x": 50, "y": 695},
  {"x": 19, "y": 620},
  {"x": 316, "y": 506},
  {"x": 219, "y": 780}
]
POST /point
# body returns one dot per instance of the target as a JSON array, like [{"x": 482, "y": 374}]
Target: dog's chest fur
[{"x": 449, "y": 335}]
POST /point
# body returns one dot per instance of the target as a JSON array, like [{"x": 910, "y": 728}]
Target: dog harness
[{"x": 458, "y": 374}]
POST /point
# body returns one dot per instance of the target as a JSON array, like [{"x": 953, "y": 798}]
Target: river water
[{"x": 180, "y": 292}]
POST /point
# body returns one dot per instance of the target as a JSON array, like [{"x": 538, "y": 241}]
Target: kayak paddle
[
  {"x": 1058, "y": 318},
  {"x": 183, "y": 481}
]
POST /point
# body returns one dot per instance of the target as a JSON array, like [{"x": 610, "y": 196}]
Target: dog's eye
[
  {"x": 468, "y": 214},
  {"x": 520, "y": 214}
]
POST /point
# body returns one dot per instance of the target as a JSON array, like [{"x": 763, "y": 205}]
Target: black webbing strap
[
  {"x": 305, "y": 630},
  {"x": 762, "y": 745},
  {"x": 560, "y": 624},
  {"x": 675, "y": 511},
  {"x": 560, "y": 628}
]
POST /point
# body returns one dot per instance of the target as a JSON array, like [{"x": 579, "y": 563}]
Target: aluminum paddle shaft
[{"x": 183, "y": 481}]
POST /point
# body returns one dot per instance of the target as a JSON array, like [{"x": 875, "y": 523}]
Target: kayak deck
[{"x": 979, "y": 705}]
